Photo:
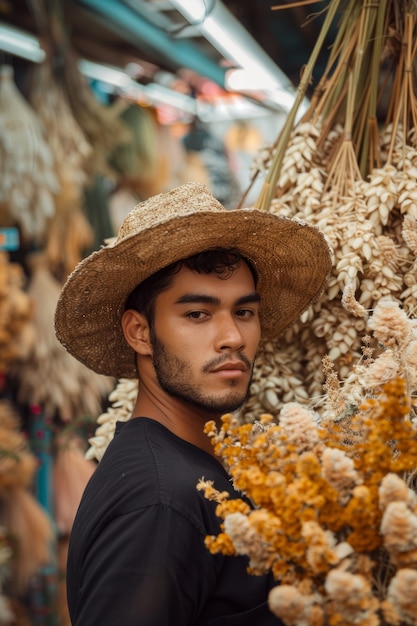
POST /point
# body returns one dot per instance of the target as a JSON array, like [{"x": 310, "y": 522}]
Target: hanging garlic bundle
[
  {"x": 28, "y": 178},
  {"x": 69, "y": 233},
  {"x": 349, "y": 167}
]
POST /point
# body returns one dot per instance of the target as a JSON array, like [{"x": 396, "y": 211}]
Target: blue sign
[{"x": 9, "y": 239}]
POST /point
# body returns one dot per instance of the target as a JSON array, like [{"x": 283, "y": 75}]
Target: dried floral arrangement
[
  {"x": 335, "y": 514},
  {"x": 349, "y": 167}
]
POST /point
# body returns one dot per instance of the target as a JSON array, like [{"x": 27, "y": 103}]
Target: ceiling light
[
  {"x": 152, "y": 93},
  {"x": 21, "y": 44},
  {"x": 105, "y": 73},
  {"x": 232, "y": 40},
  {"x": 247, "y": 80}
]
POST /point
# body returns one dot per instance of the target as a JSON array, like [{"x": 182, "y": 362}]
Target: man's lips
[{"x": 231, "y": 366}]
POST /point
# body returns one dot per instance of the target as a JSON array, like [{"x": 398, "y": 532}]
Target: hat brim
[{"x": 292, "y": 260}]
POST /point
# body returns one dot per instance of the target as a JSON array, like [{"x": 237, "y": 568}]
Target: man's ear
[{"x": 136, "y": 331}]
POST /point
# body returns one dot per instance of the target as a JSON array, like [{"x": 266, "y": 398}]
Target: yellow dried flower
[
  {"x": 210, "y": 492},
  {"x": 222, "y": 543}
]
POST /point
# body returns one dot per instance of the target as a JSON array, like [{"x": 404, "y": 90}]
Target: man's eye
[
  {"x": 245, "y": 313},
  {"x": 196, "y": 315}
]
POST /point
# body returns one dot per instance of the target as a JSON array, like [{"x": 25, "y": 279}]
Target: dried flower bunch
[
  {"x": 69, "y": 233},
  {"x": 17, "y": 334},
  {"x": 6, "y": 611},
  {"x": 335, "y": 516},
  {"x": 349, "y": 166},
  {"x": 122, "y": 400},
  {"x": 28, "y": 528},
  {"x": 38, "y": 375},
  {"x": 29, "y": 181}
]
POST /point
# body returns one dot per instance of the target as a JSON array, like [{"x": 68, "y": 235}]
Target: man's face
[{"x": 206, "y": 333}]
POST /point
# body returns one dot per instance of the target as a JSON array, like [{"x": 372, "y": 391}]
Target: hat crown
[{"x": 188, "y": 199}]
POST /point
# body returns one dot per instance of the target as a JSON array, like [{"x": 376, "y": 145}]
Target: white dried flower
[
  {"x": 287, "y": 603},
  {"x": 402, "y": 594},
  {"x": 390, "y": 324},
  {"x": 394, "y": 489}
]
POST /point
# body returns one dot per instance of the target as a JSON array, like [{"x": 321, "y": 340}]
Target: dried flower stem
[{"x": 268, "y": 189}]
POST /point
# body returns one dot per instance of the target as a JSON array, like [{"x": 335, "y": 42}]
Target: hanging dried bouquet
[{"x": 348, "y": 166}]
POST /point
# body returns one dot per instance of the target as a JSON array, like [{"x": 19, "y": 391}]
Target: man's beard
[{"x": 175, "y": 377}]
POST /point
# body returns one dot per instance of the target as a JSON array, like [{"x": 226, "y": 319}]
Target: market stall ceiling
[{"x": 286, "y": 35}]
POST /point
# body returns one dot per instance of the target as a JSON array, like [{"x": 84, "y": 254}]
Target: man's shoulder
[{"x": 153, "y": 464}]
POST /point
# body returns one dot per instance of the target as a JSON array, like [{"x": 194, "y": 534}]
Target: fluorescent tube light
[
  {"x": 153, "y": 93},
  {"x": 231, "y": 39},
  {"x": 105, "y": 73},
  {"x": 21, "y": 44},
  {"x": 248, "y": 80}
]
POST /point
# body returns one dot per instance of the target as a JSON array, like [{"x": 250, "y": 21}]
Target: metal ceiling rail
[{"x": 120, "y": 18}]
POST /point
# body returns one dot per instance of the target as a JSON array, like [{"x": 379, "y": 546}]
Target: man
[{"x": 180, "y": 301}]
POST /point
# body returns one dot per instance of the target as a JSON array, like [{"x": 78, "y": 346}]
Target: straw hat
[{"x": 292, "y": 260}]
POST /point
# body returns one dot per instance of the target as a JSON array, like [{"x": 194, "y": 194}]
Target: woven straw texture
[{"x": 292, "y": 259}]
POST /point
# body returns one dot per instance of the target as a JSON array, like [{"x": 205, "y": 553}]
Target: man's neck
[{"x": 182, "y": 419}]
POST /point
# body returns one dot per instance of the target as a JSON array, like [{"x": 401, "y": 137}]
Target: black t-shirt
[{"x": 137, "y": 555}]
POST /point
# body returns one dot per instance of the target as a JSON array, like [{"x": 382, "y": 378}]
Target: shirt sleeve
[{"x": 147, "y": 568}]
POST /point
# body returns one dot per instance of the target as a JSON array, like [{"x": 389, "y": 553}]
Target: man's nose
[{"x": 229, "y": 335}]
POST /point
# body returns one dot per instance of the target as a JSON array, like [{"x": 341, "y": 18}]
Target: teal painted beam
[{"x": 134, "y": 28}]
